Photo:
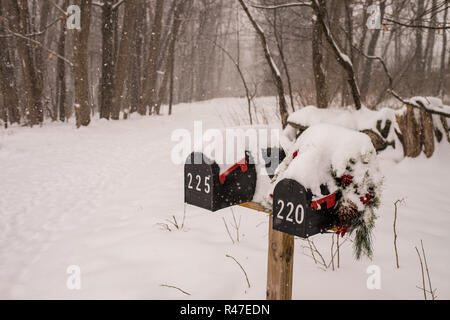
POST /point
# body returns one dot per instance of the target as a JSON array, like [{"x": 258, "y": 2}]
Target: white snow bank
[
  {"x": 349, "y": 118},
  {"x": 358, "y": 120}
]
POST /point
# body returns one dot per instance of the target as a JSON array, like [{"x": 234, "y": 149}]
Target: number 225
[{"x": 198, "y": 179}]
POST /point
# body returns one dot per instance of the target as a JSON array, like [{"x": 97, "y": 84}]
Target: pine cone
[{"x": 347, "y": 211}]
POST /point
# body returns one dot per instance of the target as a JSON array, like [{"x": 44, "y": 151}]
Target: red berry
[
  {"x": 347, "y": 179},
  {"x": 295, "y": 154}
]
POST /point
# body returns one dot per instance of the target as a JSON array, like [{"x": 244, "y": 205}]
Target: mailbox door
[
  {"x": 200, "y": 175},
  {"x": 239, "y": 187},
  {"x": 292, "y": 212}
]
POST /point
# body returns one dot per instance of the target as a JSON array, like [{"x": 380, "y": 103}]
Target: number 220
[{"x": 299, "y": 212}]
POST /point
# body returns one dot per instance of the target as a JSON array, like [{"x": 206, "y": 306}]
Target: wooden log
[
  {"x": 378, "y": 142},
  {"x": 446, "y": 127},
  {"x": 384, "y": 131},
  {"x": 427, "y": 132},
  {"x": 409, "y": 134},
  {"x": 280, "y": 265},
  {"x": 256, "y": 206}
]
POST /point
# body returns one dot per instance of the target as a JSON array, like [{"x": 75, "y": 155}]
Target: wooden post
[
  {"x": 280, "y": 265},
  {"x": 280, "y": 259}
]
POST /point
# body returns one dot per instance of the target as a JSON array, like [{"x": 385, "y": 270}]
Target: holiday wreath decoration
[{"x": 339, "y": 168}]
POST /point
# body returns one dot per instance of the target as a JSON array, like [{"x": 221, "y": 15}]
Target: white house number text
[
  {"x": 196, "y": 183},
  {"x": 295, "y": 214}
]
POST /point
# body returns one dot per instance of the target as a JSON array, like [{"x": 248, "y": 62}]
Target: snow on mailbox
[
  {"x": 213, "y": 187},
  {"x": 330, "y": 180}
]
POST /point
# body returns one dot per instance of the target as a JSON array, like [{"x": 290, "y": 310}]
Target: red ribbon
[
  {"x": 241, "y": 164},
  {"x": 329, "y": 200}
]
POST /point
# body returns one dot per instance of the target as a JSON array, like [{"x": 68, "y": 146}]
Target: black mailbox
[
  {"x": 295, "y": 213},
  {"x": 206, "y": 187}
]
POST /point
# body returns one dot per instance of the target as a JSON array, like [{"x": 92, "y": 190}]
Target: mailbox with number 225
[{"x": 207, "y": 188}]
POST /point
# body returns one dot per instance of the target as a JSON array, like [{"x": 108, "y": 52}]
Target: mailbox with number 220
[{"x": 293, "y": 214}]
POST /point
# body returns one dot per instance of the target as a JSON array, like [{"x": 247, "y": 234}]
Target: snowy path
[{"x": 93, "y": 198}]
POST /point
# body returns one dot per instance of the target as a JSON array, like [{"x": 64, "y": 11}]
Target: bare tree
[
  {"x": 273, "y": 67},
  {"x": 81, "y": 66},
  {"x": 444, "y": 70},
  {"x": 320, "y": 10},
  {"x": 20, "y": 25},
  {"x": 108, "y": 55},
  {"x": 278, "y": 32},
  {"x": 169, "y": 74},
  {"x": 150, "y": 90},
  {"x": 121, "y": 70},
  {"x": 7, "y": 79},
  {"x": 61, "y": 71},
  {"x": 367, "y": 67},
  {"x": 319, "y": 71}
]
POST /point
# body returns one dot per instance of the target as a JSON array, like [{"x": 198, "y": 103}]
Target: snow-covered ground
[{"x": 94, "y": 198}]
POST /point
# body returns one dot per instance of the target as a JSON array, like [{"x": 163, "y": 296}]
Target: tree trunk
[
  {"x": 276, "y": 75},
  {"x": 19, "y": 13},
  {"x": 108, "y": 55},
  {"x": 280, "y": 44},
  {"x": 149, "y": 95},
  {"x": 61, "y": 71},
  {"x": 431, "y": 37},
  {"x": 341, "y": 58},
  {"x": 367, "y": 68},
  {"x": 81, "y": 65},
  {"x": 443, "y": 73},
  {"x": 418, "y": 57},
  {"x": 319, "y": 72},
  {"x": 123, "y": 60},
  {"x": 177, "y": 22},
  {"x": 40, "y": 61},
  {"x": 135, "y": 88},
  {"x": 363, "y": 38},
  {"x": 8, "y": 80}
]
